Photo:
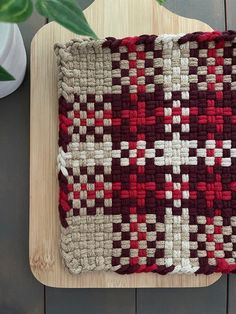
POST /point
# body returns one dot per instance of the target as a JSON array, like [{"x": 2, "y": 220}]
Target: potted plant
[
  {"x": 12, "y": 50},
  {"x": 12, "y": 58}
]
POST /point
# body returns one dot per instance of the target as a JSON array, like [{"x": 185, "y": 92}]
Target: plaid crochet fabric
[{"x": 147, "y": 153}]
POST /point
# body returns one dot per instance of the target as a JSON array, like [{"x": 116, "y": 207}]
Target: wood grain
[
  {"x": 122, "y": 18},
  {"x": 208, "y": 11},
  {"x": 212, "y": 300},
  {"x": 90, "y": 301},
  {"x": 231, "y": 294},
  {"x": 16, "y": 281},
  {"x": 132, "y": 17},
  {"x": 230, "y": 13}
]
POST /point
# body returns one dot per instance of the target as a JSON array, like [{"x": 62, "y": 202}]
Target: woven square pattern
[{"x": 147, "y": 153}]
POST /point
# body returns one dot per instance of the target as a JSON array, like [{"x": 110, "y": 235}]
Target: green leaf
[
  {"x": 161, "y": 2},
  {"x": 67, "y": 13},
  {"x": 15, "y": 11},
  {"x": 5, "y": 76}
]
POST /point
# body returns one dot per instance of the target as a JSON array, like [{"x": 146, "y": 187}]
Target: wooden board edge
[
  {"x": 210, "y": 280},
  {"x": 94, "y": 6},
  {"x": 36, "y": 274}
]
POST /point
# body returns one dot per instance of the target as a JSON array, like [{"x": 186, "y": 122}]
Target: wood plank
[
  {"x": 45, "y": 259},
  {"x": 210, "y": 300},
  {"x": 19, "y": 291},
  {"x": 85, "y": 3},
  {"x": 208, "y": 11},
  {"x": 230, "y": 13},
  {"x": 231, "y": 294},
  {"x": 87, "y": 301}
]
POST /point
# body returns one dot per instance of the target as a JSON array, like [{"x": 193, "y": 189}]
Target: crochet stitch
[{"x": 147, "y": 153}]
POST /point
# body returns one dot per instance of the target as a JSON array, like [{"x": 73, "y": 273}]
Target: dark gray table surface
[{"x": 20, "y": 293}]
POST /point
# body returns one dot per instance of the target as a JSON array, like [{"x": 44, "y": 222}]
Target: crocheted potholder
[{"x": 147, "y": 153}]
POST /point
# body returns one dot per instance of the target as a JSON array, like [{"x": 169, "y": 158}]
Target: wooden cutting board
[{"x": 118, "y": 18}]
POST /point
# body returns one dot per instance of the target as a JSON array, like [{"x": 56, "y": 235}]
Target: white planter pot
[{"x": 12, "y": 57}]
